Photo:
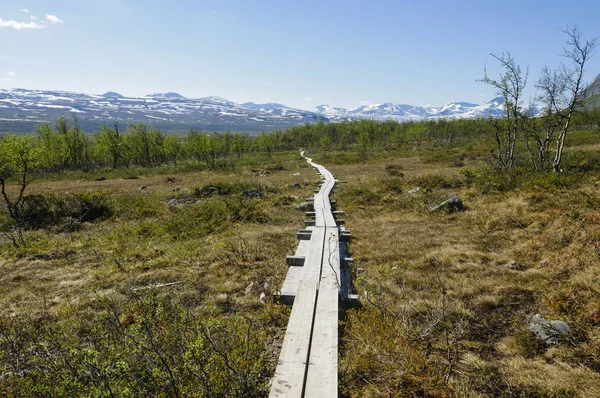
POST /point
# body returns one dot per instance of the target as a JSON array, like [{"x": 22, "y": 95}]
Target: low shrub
[
  {"x": 394, "y": 170},
  {"x": 361, "y": 195},
  {"x": 392, "y": 185},
  {"x": 39, "y": 211},
  {"x": 436, "y": 181},
  {"x": 224, "y": 188},
  {"x": 204, "y": 218},
  {"x": 143, "y": 346}
]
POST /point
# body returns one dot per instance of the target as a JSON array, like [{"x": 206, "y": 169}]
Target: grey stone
[
  {"x": 249, "y": 288},
  {"x": 253, "y": 194},
  {"x": 512, "y": 264},
  {"x": 296, "y": 174},
  {"x": 451, "y": 205},
  {"x": 550, "y": 332},
  {"x": 263, "y": 297},
  {"x": 360, "y": 271},
  {"x": 143, "y": 187},
  {"x": 414, "y": 191},
  {"x": 304, "y": 206},
  {"x": 182, "y": 201}
]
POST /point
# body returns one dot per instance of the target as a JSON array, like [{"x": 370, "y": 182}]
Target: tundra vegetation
[
  {"x": 112, "y": 290},
  {"x": 138, "y": 263}
]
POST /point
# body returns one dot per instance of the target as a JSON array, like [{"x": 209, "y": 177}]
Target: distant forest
[{"x": 64, "y": 145}]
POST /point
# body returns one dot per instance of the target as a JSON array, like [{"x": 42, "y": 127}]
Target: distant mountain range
[
  {"x": 21, "y": 109},
  {"x": 403, "y": 113}
]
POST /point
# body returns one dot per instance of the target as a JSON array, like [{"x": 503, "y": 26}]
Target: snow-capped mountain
[
  {"x": 404, "y": 113},
  {"x": 21, "y": 109},
  {"x": 264, "y": 105},
  {"x": 169, "y": 95}
]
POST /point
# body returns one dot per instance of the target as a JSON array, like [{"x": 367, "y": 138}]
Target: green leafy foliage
[{"x": 143, "y": 345}]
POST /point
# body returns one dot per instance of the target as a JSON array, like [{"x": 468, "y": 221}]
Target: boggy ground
[
  {"x": 446, "y": 298},
  {"x": 83, "y": 306}
]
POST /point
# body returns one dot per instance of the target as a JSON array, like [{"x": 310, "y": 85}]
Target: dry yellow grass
[
  {"x": 403, "y": 249},
  {"x": 416, "y": 266}
]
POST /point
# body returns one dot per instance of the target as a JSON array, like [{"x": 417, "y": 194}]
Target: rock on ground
[
  {"x": 304, "y": 206},
  {"x": 550, "y": 332},
  {"x": 451, "y": 205}
]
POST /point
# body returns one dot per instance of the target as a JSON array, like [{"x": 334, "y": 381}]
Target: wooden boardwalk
[{"x": 318, "y": 279}]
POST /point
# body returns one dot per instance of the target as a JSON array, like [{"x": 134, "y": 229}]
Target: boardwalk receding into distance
[{"x": 318, "y": 279}]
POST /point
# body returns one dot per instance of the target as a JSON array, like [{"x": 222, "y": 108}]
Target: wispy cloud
[
  {"x": 20, "y": 25},
  {"x": 32, "y": 18},
  {"x": 7, "y": 76},
  {"x": 53, "y": 19},
  {"x": 25, "y": 10}
]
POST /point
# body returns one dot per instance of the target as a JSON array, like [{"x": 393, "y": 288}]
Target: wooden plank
[
  {"x": 291, "y": 367},
  {"x": 302, "y": 249},
  {"x": 322, "y": 373}
]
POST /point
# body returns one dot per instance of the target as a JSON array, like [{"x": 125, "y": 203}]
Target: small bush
[
  {"x": 283, "y": 200},
  {"x": 146, "y": 346},
  {"x": 205, "y": 218},
  {"x": 392, "y": 185},
  {"x": 436, "y": 181},
  {"x": 138, "y": 206},
  {"x": 362, "y": 196},
  {"x": 489, "y": 180},
  {"x": 394, "y": 170},
  {"x": 228, "y": 188},
  {"x": 39, "y": 211}
]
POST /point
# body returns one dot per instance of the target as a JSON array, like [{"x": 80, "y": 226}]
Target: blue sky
[{"x": 298, "y": 52}]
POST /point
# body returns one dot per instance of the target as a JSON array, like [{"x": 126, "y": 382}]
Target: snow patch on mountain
[
  {"x": 168, "y": 111},
  {"x": 172, "y": 111},
  {"x": 405, "y": 113},
  {"x": 169, "y": 95},
  {"x": 264, "y": 105}
]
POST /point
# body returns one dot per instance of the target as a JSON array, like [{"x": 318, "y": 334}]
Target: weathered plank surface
[
  {"x": 308, "y": 362},
  {"x": 289, "y": 379}
]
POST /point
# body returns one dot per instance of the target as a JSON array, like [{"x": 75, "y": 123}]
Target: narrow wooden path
[{"x": 318, "y": 279}]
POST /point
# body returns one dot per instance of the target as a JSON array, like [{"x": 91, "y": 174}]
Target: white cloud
[
  {"x": 20, "y": 25},
  {"x": 25, "y": 10},
  {"x": 32, "y": 18},
  {"x": 7, "y": 76},
  {"x": 53, "y": 19}
]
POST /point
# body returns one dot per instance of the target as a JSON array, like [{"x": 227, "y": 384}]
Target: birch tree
[{"x": 561, "y": 91}]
